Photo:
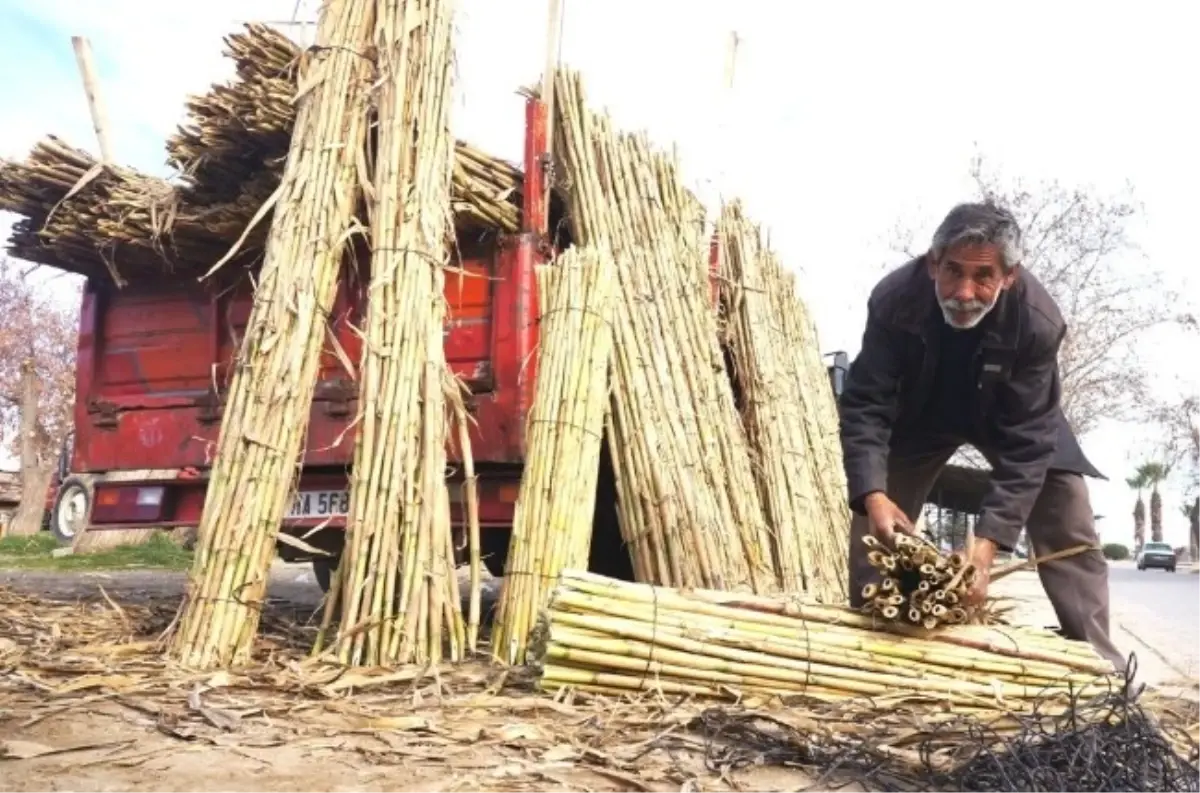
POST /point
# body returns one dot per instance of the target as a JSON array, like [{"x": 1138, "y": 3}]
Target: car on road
[{"x": 1156, "y": 554}]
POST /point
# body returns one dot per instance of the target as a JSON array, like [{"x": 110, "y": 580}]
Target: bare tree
[
  {"x": 1179, "y": 424},
  {"x": 38, "y": 339},
  {"x": 1077, "y": 244}
]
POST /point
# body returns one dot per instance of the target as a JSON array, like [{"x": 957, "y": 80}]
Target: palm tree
[
  {"x": 1153, "y": 474},
  {"x": 1138, "y": 482}
]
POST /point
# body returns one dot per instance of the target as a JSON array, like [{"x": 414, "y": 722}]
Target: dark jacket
[{"x": 1021, "y": 426}]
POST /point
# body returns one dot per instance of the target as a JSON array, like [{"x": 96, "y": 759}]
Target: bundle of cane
[
  {"x": 784, "y": 389},
  {"x": 687, "y": 499},
  {"x": 76, "y": 212},
  {"x": 235, "y": 135},
  {"x": 609, "y": 636},
  {"x": 920, "y": 585},
  {"x": 397, "y": 584},
  {"x": 552, "y": 525},
  {"x": 267, "y": 411}
]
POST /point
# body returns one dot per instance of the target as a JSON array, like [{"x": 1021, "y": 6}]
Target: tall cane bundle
[
  {"x": 266, "y": 417},
  {"x": 783, "y": 387},
  {"x": 552, "y": 527},
  {"x": 397, "y": 584},
  {"x": 688, "y": 506}
]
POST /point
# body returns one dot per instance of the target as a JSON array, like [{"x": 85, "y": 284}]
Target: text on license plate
[{"x": 320, "y": 504}]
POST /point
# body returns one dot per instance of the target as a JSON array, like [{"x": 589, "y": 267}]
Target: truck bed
[{"x": 155, "y": 362}]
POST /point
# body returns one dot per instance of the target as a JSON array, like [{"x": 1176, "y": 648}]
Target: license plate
[{"x": 320, "y": 504}]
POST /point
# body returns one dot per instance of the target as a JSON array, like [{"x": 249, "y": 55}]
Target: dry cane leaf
[
  {"x": 96, "y": 681},
  {"x": 560, "y": 752},
  {"x": 24, "y": 750},
  {"x": 520, "y": 732},
  {"x": 221, "y": 719},
  {"x": 400, "y": 723},
  {"x": 27, "y": 750}
]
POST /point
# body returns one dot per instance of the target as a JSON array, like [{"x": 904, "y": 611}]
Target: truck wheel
[{"x": 72, "y": 509}]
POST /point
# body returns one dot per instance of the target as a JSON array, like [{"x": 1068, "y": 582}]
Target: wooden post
[
  {"x": 731, "y": 59},
  {"x": 554, "y": 23},
  {"x": 725, "y": 112},
  {"x": 91, "y": 86}
]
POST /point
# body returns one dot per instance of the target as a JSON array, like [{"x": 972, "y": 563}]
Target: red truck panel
[
  {"x": 154, "y": 358},
  {"x": 154, "y": 354}
]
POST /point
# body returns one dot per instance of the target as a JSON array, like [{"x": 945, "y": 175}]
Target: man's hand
[
  {"x": 982, "y": 556},
  {"x": 885, "y": 518}
]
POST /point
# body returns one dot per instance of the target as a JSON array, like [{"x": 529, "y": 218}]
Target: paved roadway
[
  {"x": 1161, "y": 610},
  {"x": 1153, "y": 614}
]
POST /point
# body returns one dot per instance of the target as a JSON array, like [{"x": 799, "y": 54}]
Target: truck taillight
[
  {"x": 129, "y": 504},
  {"x": 150, "y": 496}
]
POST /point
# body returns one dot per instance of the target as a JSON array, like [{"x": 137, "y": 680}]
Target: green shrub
[{"x": 1115, "y": 552}]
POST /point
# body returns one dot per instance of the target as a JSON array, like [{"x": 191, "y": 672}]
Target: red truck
[{"x": 147, "y": 411}]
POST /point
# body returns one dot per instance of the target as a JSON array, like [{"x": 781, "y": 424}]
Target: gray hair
[{"x": 979, "y": 224}]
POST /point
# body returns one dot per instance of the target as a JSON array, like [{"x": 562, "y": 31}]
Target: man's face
[{"x": 968, "y": 281}]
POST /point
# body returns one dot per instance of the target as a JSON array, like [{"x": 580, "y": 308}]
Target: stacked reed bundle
[
  {"x": 777, "y": 378},
  {"x": 688, "y": 504},
  {"x": 396, "y": 579},
  {"x": 266, "y": 415},
  {"x": 609, "y": 636},
  {"x": 552, "y": 525},
  {"x": 230, "y": 153},
  {"x": 90, "y": 219},
  {"x": 237, "y": 134},
  {"x": 80, "y": 216},
  {"x": 241, "y": 128},
  {"x": 919, "y": 585},
  {"x": 83, "y": 218},
  {"x": 819, "y": 404}
]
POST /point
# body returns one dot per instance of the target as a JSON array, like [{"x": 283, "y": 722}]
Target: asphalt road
[
  {"x": 1153, "y": 615},
  {"x": 1161, "y": 610}
]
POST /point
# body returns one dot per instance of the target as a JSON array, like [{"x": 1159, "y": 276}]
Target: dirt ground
[
  {"x": 89, "y": 700},
  {"x": 85, "y": 703}
]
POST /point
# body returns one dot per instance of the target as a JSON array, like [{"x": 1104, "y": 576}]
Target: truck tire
[{"x": 72, "y": 508}]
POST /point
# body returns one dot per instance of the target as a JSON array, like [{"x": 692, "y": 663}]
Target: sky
[{"x": 843, "y": 120}]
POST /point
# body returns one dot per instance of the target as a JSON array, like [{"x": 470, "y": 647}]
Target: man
[{"x": 961, "y": 347}]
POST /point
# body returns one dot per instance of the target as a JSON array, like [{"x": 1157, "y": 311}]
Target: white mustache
[{"x": 966, "y": 306}]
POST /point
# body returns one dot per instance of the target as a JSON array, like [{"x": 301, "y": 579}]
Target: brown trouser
[{"x": 1061, "y": 518}]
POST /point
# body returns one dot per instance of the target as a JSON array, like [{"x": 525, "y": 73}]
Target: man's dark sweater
[{"x": 953, "y": 400}]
